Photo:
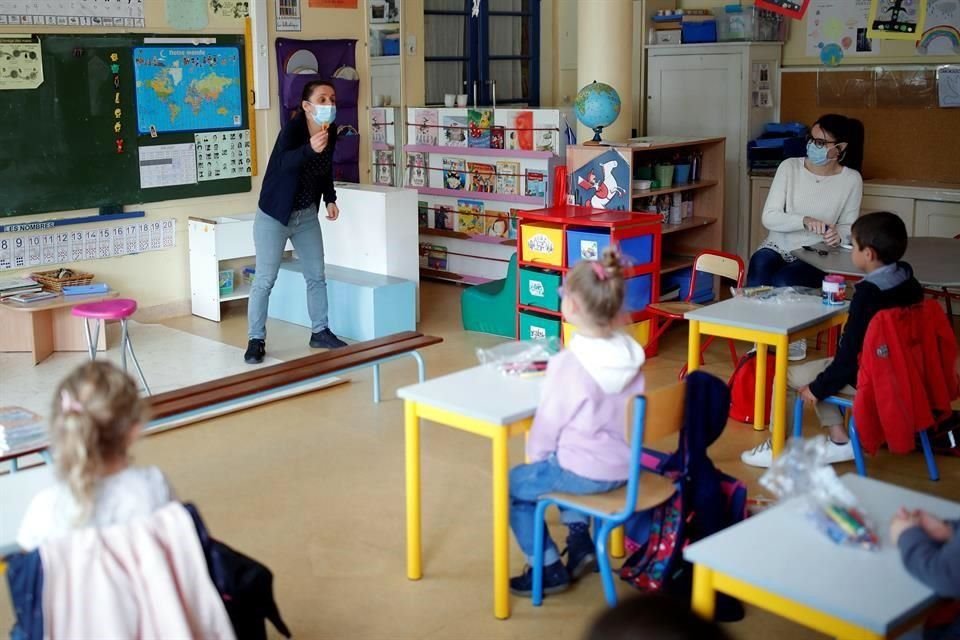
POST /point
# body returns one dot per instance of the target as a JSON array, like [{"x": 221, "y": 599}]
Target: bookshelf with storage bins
[
  {"x": 471, "y": 190},
  {"x": 703, "y": 227},
  {"x": 552, "y": 240}
]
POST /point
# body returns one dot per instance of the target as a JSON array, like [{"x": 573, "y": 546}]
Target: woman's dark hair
[
  {"x": 844, "y": 129},
  {"x": 310, "y": 87}
]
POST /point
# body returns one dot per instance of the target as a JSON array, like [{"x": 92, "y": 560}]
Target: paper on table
[{"x": 948, "y": 86}]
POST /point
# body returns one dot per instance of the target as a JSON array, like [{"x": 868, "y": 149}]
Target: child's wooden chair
[
  {"x": 656, "y": 415},
  {"x": 716, "y": 263}
]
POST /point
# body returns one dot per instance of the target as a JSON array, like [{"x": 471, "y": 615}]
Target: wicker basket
[{"x": 57, "y": 279}]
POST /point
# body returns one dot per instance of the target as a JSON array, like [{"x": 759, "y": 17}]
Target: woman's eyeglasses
[{"x": 820, "y": 143}]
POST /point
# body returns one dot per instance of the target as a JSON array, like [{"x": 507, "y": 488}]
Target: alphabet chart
[
  {"x": 72, "y": 13},
  {"x": 65, "y": 244}
]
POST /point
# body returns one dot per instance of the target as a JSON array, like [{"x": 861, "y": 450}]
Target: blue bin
[
  {"x": 638, "y": 292},
  {"x": 588, "y": 244},
  {"x": 693, "y": 32},
  {"x": 391, "y": 46},
  {"x": 681, "y": 278}
]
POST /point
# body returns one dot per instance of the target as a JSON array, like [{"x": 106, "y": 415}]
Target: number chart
[{"x": 59, "y": 246}]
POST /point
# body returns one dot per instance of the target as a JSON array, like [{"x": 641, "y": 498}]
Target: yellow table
[
  {"x": 768, "y": 324},
  {"x": 798, "y": 573}
]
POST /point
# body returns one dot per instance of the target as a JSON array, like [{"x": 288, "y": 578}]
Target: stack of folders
[
  {"x": 20, "y": 428},
  {"x": 18, "y": 287}
]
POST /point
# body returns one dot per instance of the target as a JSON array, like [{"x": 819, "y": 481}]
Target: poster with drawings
[
  {"x": 222, "y": 155},
  {"x": 941, "y": 33},
  {"x": 40, "y": 249},
  {"x": 838, "y": 28},
  {"x": 72, "y": 13}
]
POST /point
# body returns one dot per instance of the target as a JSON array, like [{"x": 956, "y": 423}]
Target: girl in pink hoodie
[{"x": 577, "y": 443}]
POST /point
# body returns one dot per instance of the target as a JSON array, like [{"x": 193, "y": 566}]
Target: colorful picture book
[
  {"x": 437, "y": 257},
  {"x": 508, "y": 177},
  {"x": 470, "y": 217},
  {"x": 425, "y": 126},
  {"x": 482, "y": 177},
  {"x": 423, "y": 214},
  {"x": 416, "y": 169},
  {"x": 454, "y": 174},
  {"x": 454, "y": 131},
  {"x": 378, "y": 126},
  {"x": 519, "y": 134},
  {"x": 479, "y": 121},
  {"x": 535, "y": 184},
  {"x": 384, "y": 167},
  {"x": 497, "y": 224},
  {"x": 514, "y": 223},
  {"x": 497, "y": 137},
  {"x": 444, "y": 218}
]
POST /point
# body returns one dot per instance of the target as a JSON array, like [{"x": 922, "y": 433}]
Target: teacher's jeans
[
  {"x": 269, "y": 238},
  {"x": 767, "y": 267}
]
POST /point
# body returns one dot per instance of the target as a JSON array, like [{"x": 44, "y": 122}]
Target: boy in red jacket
[{"x": 879, "y": 241}]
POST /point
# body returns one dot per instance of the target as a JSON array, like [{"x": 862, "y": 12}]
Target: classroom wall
[{"x": 160, "y": 280}]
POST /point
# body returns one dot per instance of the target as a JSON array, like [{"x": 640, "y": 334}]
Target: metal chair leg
[
  {"x": 376, "y": 383},
  {"x": 932, "y": 469},
  {"x": 857, "y": 449},
  {"x": 124, "y": 341},
  {"x": 91, "y": 343},
  {"x": 133, "y": 356}
]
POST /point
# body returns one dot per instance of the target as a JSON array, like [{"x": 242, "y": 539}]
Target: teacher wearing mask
[
  {"x": 299, "y": 174},
  {"x": 811, "y": 200}
]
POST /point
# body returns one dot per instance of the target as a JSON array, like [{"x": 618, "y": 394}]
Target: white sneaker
[
  {"x": 839, "y": 452},
  {"x": 760, "y": 456},
  {"x": 797, "y": 351}
]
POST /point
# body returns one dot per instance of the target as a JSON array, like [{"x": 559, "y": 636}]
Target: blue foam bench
[{"x": 363, "y": 305}]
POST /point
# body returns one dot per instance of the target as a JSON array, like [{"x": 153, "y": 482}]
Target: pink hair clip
[
  {"x": 68, "y": 404},
  {"x": 599, "y": 270}
]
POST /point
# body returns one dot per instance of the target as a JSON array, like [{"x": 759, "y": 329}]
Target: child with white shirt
[
  {"x": 97, "y": 415},
  {"x": 577, "y": 443}
]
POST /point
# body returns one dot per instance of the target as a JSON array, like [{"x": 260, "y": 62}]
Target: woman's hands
[
  {"x": 829, "y": 232},
  {"x": 318, "y": 141},
  {"x": 333, "y": 211}
]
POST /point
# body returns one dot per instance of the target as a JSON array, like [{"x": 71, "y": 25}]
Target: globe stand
[{"x": 596, "y": 137}]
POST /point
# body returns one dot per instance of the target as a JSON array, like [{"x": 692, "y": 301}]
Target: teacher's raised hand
[{"x": 318, "y": 141}]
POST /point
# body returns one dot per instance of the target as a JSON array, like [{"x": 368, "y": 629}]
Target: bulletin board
[
  {"x": 59, "y": 150},
  {"x": 902, "y": 142}
]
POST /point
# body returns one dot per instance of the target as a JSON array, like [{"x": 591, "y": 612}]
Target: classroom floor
[{"x": 313, "y": 487}]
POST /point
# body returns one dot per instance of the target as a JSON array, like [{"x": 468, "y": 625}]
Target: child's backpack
[{"x": 742, "y": 385}]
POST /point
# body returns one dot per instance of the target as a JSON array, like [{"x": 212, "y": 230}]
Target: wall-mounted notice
[
  {"x": 948, "y": 85},
  {"x": 166, "y": 165},
  {"x": 288, "y": 15},
  {"x": 73, "y": 245},
  {"x": 72, "y": 13},
  {"x": 222, "y": 155},
  {"x": 840, "y": 25},
  {"x": 21, "y": 64}
]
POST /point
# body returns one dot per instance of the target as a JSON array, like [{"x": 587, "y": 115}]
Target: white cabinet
[
  {"x": 714, "y": 90},
  {"x": 940, "y": 219}
]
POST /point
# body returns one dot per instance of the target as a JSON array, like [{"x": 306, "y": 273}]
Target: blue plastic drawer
[
  {"x": 638, "y": 292},
  {"x": 681, "y": 278},
  {"x": 691, "y": 32},
  {"x": 583, "y": 244}
]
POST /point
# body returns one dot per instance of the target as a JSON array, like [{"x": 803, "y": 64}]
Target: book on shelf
[
  {"x": 425, "y": 126},
  {"x": 497, "y": 136},
  {"x": 545, "y": 135},
  {"x": 535, "y": 183},
  {"x": 424, "y": 254},
  {"x": 519, "y": 133},
  {"x": 508, "y": 177},
  {"x": 453, "y": 130},
  {"x": 417, "y": 169},
  {"x": 470, "y": 217},
  {"x": 14, "y": 286},
  {"x": 378, "y": 126},
  {"x": 384, "y": 172},
  {"x": 479, "y": 122},
  {"x": 514, "y": 223},
  {"x": 437, "y": 257},
  {"x": 482, "y": 177},
  {"x": 423, "y": 214},
  {"x": 20, "y": 427},
  {"x": 444, "y": 218},
  {"x": 454, "y": 174},
  {"x": 496, "y": 224}
]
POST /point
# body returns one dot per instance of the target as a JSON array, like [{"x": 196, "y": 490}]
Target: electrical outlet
[{"x": 411, "y": 45}]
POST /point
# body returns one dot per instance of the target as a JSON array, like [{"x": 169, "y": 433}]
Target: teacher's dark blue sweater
[{"x": 291, "y": 154}]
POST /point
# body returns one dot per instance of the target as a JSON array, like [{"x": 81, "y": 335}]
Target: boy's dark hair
[
  {"x": 844, "y": 129},
  {"x": 882, "y": 231},
  {"x": 653, "y": 616},
  {"x": 311, "y": 86}
]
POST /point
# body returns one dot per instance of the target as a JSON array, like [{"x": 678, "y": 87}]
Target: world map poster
[{"x": 196, "y": 89}]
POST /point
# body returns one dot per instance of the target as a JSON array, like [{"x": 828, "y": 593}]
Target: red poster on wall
[
  {"x": 333, "y": 4},
  {"x": 793, "y": 8}
]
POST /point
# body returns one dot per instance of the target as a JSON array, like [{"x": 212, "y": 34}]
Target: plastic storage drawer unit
[
  {"x": 585, "y": 244},
  {"x": 534, "y": 326},
  {"x": 539, "y": 288},
  {"x": 543, "y": 243}
]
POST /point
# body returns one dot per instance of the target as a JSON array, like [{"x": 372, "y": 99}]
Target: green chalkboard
[{"x": 58, "y": 148}]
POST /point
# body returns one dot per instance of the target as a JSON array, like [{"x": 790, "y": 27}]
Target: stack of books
[
  {"x": 18, "y": 286},
  {"x": 20, "y": 428}
]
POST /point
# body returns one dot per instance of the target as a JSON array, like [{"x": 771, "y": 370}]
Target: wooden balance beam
[{"x": 267, "y": 384}]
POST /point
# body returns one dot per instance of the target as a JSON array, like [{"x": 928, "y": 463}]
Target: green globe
[{"x": 597, "y": 106}]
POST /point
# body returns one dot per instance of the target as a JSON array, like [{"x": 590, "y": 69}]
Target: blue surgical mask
[
  {"x": 324, "y": 113},
  {"x": 817, "y": 155}
]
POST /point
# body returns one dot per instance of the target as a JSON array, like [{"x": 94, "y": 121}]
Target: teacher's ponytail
[{"x": 848, "y": 130}]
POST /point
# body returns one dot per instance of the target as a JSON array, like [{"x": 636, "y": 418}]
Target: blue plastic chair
[
  {"x": 655, "y": 416},
  {"x": 845, "y": 403}
]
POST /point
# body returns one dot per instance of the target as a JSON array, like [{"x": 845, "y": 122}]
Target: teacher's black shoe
[
  {"x": 326, "y": 340},
  {"x": 256, "y": 349}
]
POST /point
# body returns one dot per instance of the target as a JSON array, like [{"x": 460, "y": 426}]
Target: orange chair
[{"x": 723, "y": 265}]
